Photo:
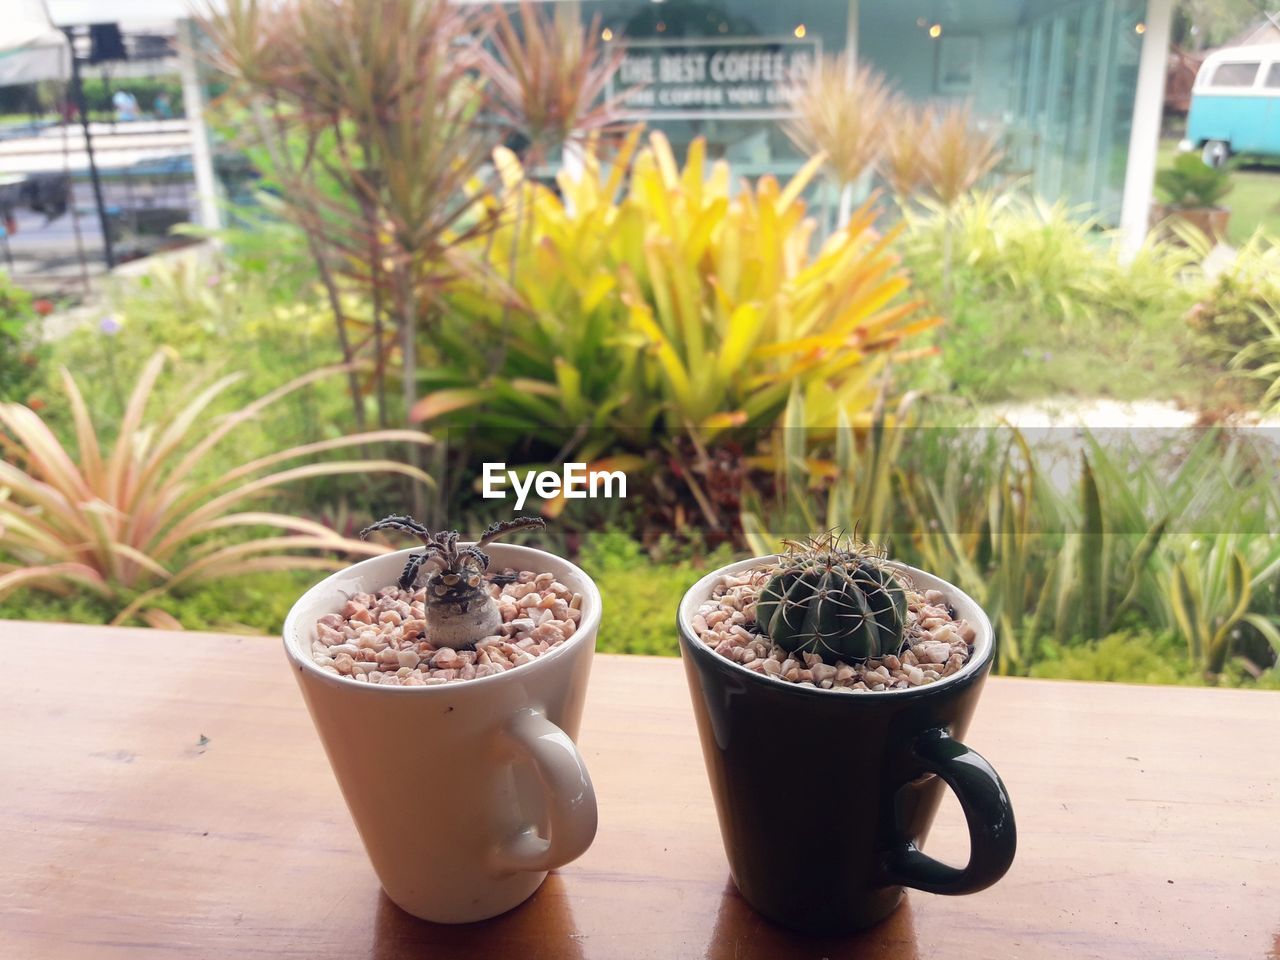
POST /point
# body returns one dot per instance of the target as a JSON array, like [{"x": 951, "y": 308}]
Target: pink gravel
[
  {"x": 381, "y": 638},
  {"x": 938, "y": 644}
]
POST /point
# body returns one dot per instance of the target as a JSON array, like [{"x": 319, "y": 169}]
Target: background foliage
[{"x": 757, "y": 374}]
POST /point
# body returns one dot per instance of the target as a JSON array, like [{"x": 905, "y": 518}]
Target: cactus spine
[{"x": 836, "y": 599}]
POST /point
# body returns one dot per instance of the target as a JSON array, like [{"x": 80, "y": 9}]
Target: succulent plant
[
  {"x": 459, "y": 607},
  {"x": 835, "y": 598}
]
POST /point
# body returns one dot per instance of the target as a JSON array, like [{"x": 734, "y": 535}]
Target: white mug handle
[{"x": 570, "y": 798}]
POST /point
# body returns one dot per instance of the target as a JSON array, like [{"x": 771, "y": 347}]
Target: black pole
[{"x": 77, "y": 89}]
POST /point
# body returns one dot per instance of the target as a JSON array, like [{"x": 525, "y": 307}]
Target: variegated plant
[
  {"x": 133, "y": 518},
  {"x": 674, "y": 304}
]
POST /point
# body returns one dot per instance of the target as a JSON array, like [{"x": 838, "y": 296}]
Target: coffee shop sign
[{"x": 692, "y": 78}]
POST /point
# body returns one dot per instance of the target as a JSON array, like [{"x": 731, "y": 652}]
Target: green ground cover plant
[
  {"x": 20, "y": 348},
  {"x": 640, "y": 594},
  {"x": 1040, "y": 303}
]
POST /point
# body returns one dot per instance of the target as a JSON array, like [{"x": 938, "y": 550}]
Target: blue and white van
[{"x": 1235, "y": 104}]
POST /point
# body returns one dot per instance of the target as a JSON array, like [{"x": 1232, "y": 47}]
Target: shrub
[
  {"x": 1218, "y": 586},
  {"x": 954, "y": 152},
  {"x": 639, "y": 594},
  {"x": 1042, "y": 303},
  {"x": 1124, "y": 657},
  {"x": 135, "y": 519},
  {"x": 98, "y": 92},
  {"x": 211, "y": 317},
  {"x": 20, "y": 348},
  {"x": 255, "y": 603},
  {"x": 1057, "y": 556},
  {"x": 376, "y": 118},
  {"x": 1052, "y": 260},
  {"x": 1230, "y": 315},
  {"x": 1190, "y": 183},
  {"x": 1260, "y": 360},
  {"x": 681, "y": 307}
]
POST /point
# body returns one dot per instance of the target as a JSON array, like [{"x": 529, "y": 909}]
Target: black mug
[{"x": 825, "y": 799}]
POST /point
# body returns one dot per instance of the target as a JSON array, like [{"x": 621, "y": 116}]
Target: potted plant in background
[
  {"x": 1191, "y": 191},
  {"x": 447, "y": 686},
  {"x": 833, "y": 681}
]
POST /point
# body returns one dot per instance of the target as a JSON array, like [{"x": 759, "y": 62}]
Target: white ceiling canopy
[
  {"x": 31, "y": 47},
  {"x": 127, "y": 13}
]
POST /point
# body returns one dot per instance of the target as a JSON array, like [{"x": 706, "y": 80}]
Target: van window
[
  {"x": 1273, "y": 75},
  {"x": 1235, "y": 74}
]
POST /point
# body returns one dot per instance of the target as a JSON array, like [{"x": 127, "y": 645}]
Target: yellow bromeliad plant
[{"x": 647, "y": 297}]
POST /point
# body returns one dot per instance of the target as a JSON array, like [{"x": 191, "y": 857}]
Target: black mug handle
[{"x": 993, "y": 838}]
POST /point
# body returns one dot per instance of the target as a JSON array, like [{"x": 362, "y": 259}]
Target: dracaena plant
[
  {"x": 373, "y": 118},
  {"x": 548, "y": 77},
  {"x": 133, "y": 518},
  {"x": 843, "y": 114},
  {"x": 902, "y": 158},
  {"x": 956, "y": 153},
  {"x": 459, "y": 609}
]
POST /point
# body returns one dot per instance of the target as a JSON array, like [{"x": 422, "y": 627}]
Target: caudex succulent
[
  {"x": 834, "y": 597},
  {"x": 459, "y": 607}
]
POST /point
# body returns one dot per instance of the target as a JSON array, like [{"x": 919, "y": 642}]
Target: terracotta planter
[{"x": 1210, "y": 221}]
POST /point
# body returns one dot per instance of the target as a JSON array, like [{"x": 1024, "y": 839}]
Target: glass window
[
  {"x": 1273, "y": 75},
  {"x": 682, "y": 54},
  {"x": 1235, "y": 74}
]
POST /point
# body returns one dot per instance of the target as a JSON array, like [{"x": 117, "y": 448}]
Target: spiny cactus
[
  {"x": 459, "y": 609},
  {"x": 834, "y": 598}
]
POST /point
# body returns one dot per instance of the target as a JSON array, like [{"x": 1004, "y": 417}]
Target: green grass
[
  {"x": 1254, "y": 199},
  {"x": 640, "y": 596},
  {"x": 995, "y": 354},
  {"x": 251, "y": 604}
]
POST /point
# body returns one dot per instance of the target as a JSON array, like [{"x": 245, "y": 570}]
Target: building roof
[{"x": 1266, "y": 30}]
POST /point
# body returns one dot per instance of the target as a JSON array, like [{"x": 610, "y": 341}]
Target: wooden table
[{"x": 173, "y": 801}]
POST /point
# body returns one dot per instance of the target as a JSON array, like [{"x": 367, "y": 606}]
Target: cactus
[
  {"x": 459, "y": 608},
  {"x": 834, "y": 598}
]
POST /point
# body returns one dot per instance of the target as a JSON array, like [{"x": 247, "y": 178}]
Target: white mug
[{"x": 465, "y": 794}]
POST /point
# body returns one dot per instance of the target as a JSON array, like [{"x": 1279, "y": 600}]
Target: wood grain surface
[{"x": 173, "y": 801}]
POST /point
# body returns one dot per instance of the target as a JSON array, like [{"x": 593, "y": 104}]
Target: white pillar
[
  {"x": 851, "y": 34},
  {"x": 193, "y": 105},
  {"x": 1144, "y": 135}
]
